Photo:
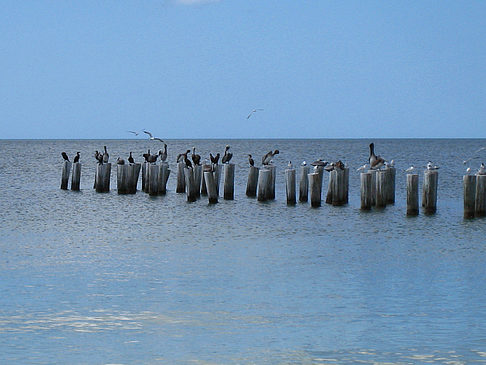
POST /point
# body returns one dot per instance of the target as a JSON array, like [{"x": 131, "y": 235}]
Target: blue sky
[{"x": 195, "y": 69}]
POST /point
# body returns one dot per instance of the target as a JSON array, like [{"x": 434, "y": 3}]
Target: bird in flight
[
  {"x": 151, "y": 137},
  {"x": 135, "y": 133},
  {"x": 253, "y": 111}
]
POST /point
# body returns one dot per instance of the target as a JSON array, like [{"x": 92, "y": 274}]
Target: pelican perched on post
[
  {"x": 195, "y": 157},
  {"x": 375, "y": 161},
  {"x": 227, "y": 155},
  {"x": 163, "y": 154},
  {"x": 106, "y": 156}
]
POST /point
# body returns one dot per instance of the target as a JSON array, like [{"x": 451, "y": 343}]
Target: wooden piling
[
  {"x": 480, "y": 204},
  {"x": 339, "y": 187},
  {"x": 469, "y": 184},
  {"x": 330, "y": 186},
  {"x": 133, "y": 173},
  {"x": 431, "y": 178},
  {"x": 204, "y": 190},
  {"x": 229, "y": 181},
  {"x": 264, "y": 181},
  {"x": 122, "y": 179},
  {"x": 315, "y": 189},
  {"x": 163, "y": 177},
  {"x": 346, "y": 185},
  {"x": 380, "y": 198},
  {"x": 304, "y": 184},
  {"x": 76, "y": 176},
  {"x": 412, "y": 194},
  {"x": 390, "y": 185},
  {"x": 290, "y": 186},
  {"x": 181, "y": 180},
  {"x": 103, "y": 174},
  {"x": 66, "y": 169},
  {"x": 145, "y": 177},
  {"x": 373, "y": 185},
  {"x": 210, "y": 187},
  {"x": 365, "y": 188},
  {"x": 271, "y": 190},
  {"x": 197, "y": 180},
  {"x": 153, "y": 179},
  {"x": 252, "y": 183},
  {"x": 190, "y": 184},
  {"x": 217, "y": 176}
]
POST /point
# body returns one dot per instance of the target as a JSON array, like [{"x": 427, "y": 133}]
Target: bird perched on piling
[
  {"x": 214, "y": 159},
  {"x": 482, "y": 170},
  {"x": 152, "y": 158},
  {"x": 250, "y": 160},
  {"x": 195, "y": 157},
  {"x": 411, "y": 169},
  {"x": 303, "y": 163},
  {"x": 99, "y": 157},
  {"x": 319, "y": 162},
  {"x": 146, "y": 155},
  {"x": 431, "y": 166},
  {"x": 163, "y": 155},
  {"x": 289, "y": 165},
  {"x": 186, "y": 160},
  {"x": 376, "y": 162},
  {"x": 120, "y": 161},
  {"x": 106, "y": 156},
  {"x": 76, "y": 158},
  {"x": 267, "y": 158},
  {"x": 65, "y": 156},
  {"x": 364, "y": 167},
  {"x": 130, "y": 159},
  {"x": 227, "y": 155}
]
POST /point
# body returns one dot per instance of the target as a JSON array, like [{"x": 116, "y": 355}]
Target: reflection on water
[{"x": 103, "y": 278}]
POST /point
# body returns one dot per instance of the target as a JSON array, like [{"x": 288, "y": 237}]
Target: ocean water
[{"x": 91, "y": 278}]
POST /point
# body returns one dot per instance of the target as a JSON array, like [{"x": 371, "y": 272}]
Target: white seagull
[
  {"x": 411, "y": 169},
  {"x": 253, "y": 111},
  {"x": 364, "y": 167},
  {"x": 430, "y": 166},
  {"x": 135, "y": 133},
  {"x": 482, "y": 170},
  {"x": 151, "y": 137}
]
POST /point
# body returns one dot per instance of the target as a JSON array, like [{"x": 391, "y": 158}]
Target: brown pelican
[
  {"x": 106, "y": 156},
  {"x": 65, "y": 156},
  {"x": 268, "y": 157},
  {"x": 375, "y": 161},
  {"x": 99, "y": 157},
  {"x": 214, "y": 159},
  {"x": 146, "y": 155},
  {"x": 227, "y": 155},
  {"x": 195, "y": 157},
  {"x": 76, "y": 158},
  {"x": 163, "y": 155},
  {"x": 186, "y": 160}
]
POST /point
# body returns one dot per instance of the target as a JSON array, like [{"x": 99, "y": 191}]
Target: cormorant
[
  {"x": 250, "y": 160},
  {"x": 130, "y": 158},
  {"x": 195, "y": 157},
  {"x": 65, "y": 156},
  {"x": 76, "y": 158}
]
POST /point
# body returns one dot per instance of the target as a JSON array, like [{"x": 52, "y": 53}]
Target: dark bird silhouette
[
  {"x": 106, "y": 156},
  {"x": 227, "y": 155},
  {"x": 186, "y": 160},
  {"x": 214, "y": 159},
  {"x": 120, "y": 161},
  {"x": 65, "y": 156},
  {"x": 195, "y": 157},
  {"x": 99, "y": 157},
  {"x": 375, "y": 161},
  {"x": 268, "y": 157},
  {"x": 130, "y": 158},
  {"x": 76, "y": 158},
  {"x": 250, "y": 160},
  {"x": 152, "y": 158},
  {"x": 319, "y": 162},
  {"x": 163, "y": 155},
  {"x": 146, "y": 155},
  {"x": 253, "y": 111}
]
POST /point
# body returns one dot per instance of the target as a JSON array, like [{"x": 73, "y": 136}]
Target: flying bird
[
  {"x": 133, "y": 132},
  {"x": 151, "y": 137},
  {"x": 267, "y": 158},
  {"x": 253, "y": 111}
]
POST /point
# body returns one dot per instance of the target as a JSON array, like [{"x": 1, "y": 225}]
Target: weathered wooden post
[
  {"x": 304, "y": 184},
  {"x": 133, "y": 172},
  {"x": 204, "y": 190},
  {"x": 264, "y": 181},
  {"x": 330, "y": 186},
  {"x": 163, "y": 177},
  {"x": 365, "y": 188},
  {"x": 380, "y": 199},
  {"x": 469, "y": 184},
  {"x": 431, "y": 178},
  {"x": 217, "y": 176},
  {"x": 103, "y": 174},
  {"x": 66, "y": 169},
  {"x": 181, "y": 180},
  {"x": 315, "y": 189},
  {"x": 211, "y": 187},
  {"x": 153, "y": 179},
  {"x": 480, "y": 204},
  {"x": 412, "y": 194},
  {"x": 251, "y": 185},
  {"x": 76, "y": 177},
  {"x": 271, "y": 190},
  {"x": 373, "y": 185},
  {"x": 145, "y": 177},
  {"x": 346, "y": 185},
  {"x": 197, "y": 179},
  {"x": 390, "y": 185},
  {"x": 338, "y": 187},
  {"x": 290, "y": 186},
  {"x": 190, "y": 184},
  {"x": 229, "y": 181},
  {"x": 122, "y": 179}
]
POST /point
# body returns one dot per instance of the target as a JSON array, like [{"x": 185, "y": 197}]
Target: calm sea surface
[{"x": 91, "y": 278}]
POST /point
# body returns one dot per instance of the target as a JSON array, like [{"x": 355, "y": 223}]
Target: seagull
[
  {"x": 253, "y": 111},
  {"x": 133, "y": 132},
  {"x": 482, "y": 170},
  {"x": 290, "y": 165},
  {"x": 430, "y": 166},
  {"x": 364, "y": 167},
  {"x": 470, "y": 158},
  {"x": 411, "y": 169},
  {"x": 319, "y": 162},
  {"x": 468, "y": 170},
  {"x": 151, "y": 137}
]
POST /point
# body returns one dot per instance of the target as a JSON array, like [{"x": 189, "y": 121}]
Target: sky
[{"x": 196, "y": 69}]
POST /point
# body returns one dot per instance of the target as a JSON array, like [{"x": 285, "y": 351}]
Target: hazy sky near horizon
[{"x": 195, "y": 69}]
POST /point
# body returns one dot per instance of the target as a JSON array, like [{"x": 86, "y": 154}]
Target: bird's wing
[
  {"x": 150, "y": 134},
  {"x": 158, "y": 139},
  {"x": 479, "y": 150},
  {"x": 135, "y": 133},
  {"x": 249, "y": 115}
]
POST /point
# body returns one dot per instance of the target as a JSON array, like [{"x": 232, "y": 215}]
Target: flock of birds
[{"x": 375, "y": 162}]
